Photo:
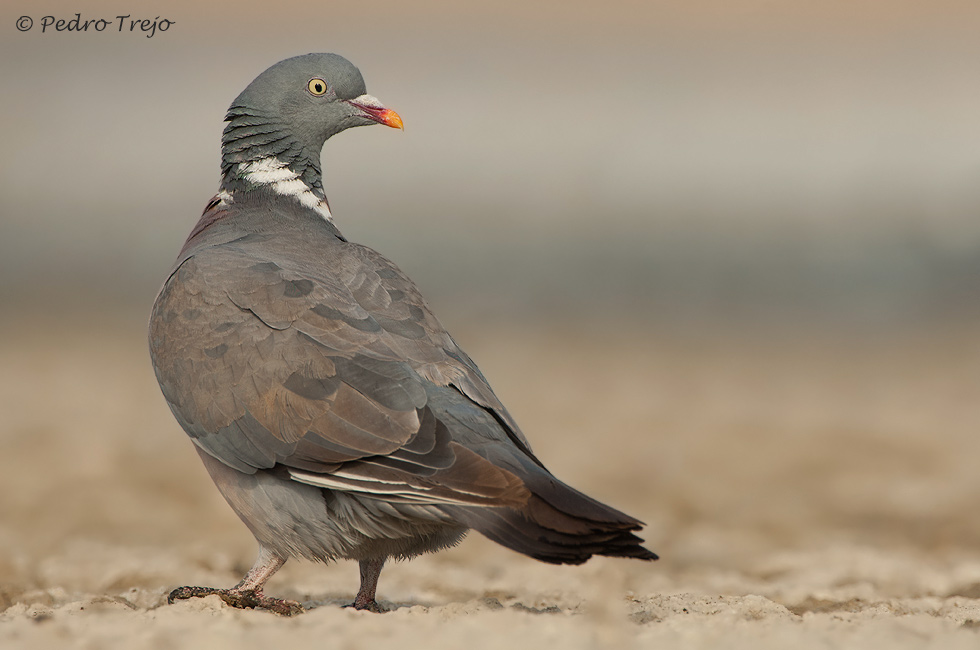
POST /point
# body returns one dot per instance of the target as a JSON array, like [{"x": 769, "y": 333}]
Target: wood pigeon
[{"x": 336, "y": 415}]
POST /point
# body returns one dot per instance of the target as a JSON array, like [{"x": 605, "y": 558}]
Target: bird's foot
[
  {"x": 239, "y": 598},
  {"x": 368, "y": 605}
]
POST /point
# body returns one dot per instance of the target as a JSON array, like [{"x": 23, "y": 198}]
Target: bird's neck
[
  {"x": 261, "y": 156},
  {"x": 274, "y": 175}
]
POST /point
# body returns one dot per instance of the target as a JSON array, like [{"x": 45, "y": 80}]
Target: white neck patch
[{"x": 276, "y": 174}]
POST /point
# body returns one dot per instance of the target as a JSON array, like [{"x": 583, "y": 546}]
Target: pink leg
[{"x": 266, "y": 564}]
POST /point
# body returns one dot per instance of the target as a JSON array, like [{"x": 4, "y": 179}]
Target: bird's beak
[{"x": 375, "y": 110}]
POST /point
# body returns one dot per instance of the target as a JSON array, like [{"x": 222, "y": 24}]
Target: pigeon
[{"x": 335, "y": 414}]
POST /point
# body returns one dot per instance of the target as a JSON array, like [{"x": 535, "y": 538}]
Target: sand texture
[{"x": 804, "y": 491}]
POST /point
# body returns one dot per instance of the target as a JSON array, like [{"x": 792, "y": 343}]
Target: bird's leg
[
  {"x": 370, "y": 572},
  {"x": 247, "y": 594}
]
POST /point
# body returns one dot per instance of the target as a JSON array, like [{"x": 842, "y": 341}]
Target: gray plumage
[{"x": 334, "y": 412}]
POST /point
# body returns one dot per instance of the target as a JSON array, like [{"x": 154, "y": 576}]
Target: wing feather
[{"x": 265, "y": 363}]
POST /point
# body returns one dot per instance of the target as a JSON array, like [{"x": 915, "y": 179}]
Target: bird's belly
[{"x": 300, "y": 520}]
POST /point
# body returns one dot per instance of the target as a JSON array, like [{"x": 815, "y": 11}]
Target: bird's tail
[{"x": 558, "y": 524}]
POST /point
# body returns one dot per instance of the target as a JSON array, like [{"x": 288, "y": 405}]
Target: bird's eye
[{"x": 317, "y": 86}]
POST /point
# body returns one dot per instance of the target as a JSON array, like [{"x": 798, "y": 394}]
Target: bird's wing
[
  {"x": 325, "y": 376},
  {"x": 417, "y": 336}
]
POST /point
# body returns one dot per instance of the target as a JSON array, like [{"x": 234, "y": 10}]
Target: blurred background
[{"x": 721, "y": 259}]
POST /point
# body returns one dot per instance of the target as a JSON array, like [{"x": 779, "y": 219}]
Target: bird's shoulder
[
  {"x": 280, "y": 324},
  {"x": 320, "y": 356}
]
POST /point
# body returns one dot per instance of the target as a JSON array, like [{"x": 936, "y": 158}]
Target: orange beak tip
[{"x": 392, "y": 119}]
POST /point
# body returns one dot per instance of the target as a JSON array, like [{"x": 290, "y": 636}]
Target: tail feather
[
  {"x": 558, "y": 525},
  {"x": 569, "y": 501}
]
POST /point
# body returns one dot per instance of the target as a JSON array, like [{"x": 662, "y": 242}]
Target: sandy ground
[{"x": 804, "y": 491}]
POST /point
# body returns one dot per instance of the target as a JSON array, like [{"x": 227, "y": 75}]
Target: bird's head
[
  {"x": 291, "y": 109},
  {"x": 315, "y": 96}
]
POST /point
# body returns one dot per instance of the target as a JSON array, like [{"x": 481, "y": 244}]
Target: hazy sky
[{"x": 686, "y": 150}]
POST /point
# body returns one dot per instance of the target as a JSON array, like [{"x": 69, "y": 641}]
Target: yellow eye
[{"x": 317, "y": 86}]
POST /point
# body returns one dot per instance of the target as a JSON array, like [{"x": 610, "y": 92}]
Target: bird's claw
[
  {"x": 368, "y": 605},
  {"x": 240, "y": 599}
]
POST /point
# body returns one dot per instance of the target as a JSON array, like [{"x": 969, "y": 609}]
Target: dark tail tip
[{"x": 546, "y": 533}]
